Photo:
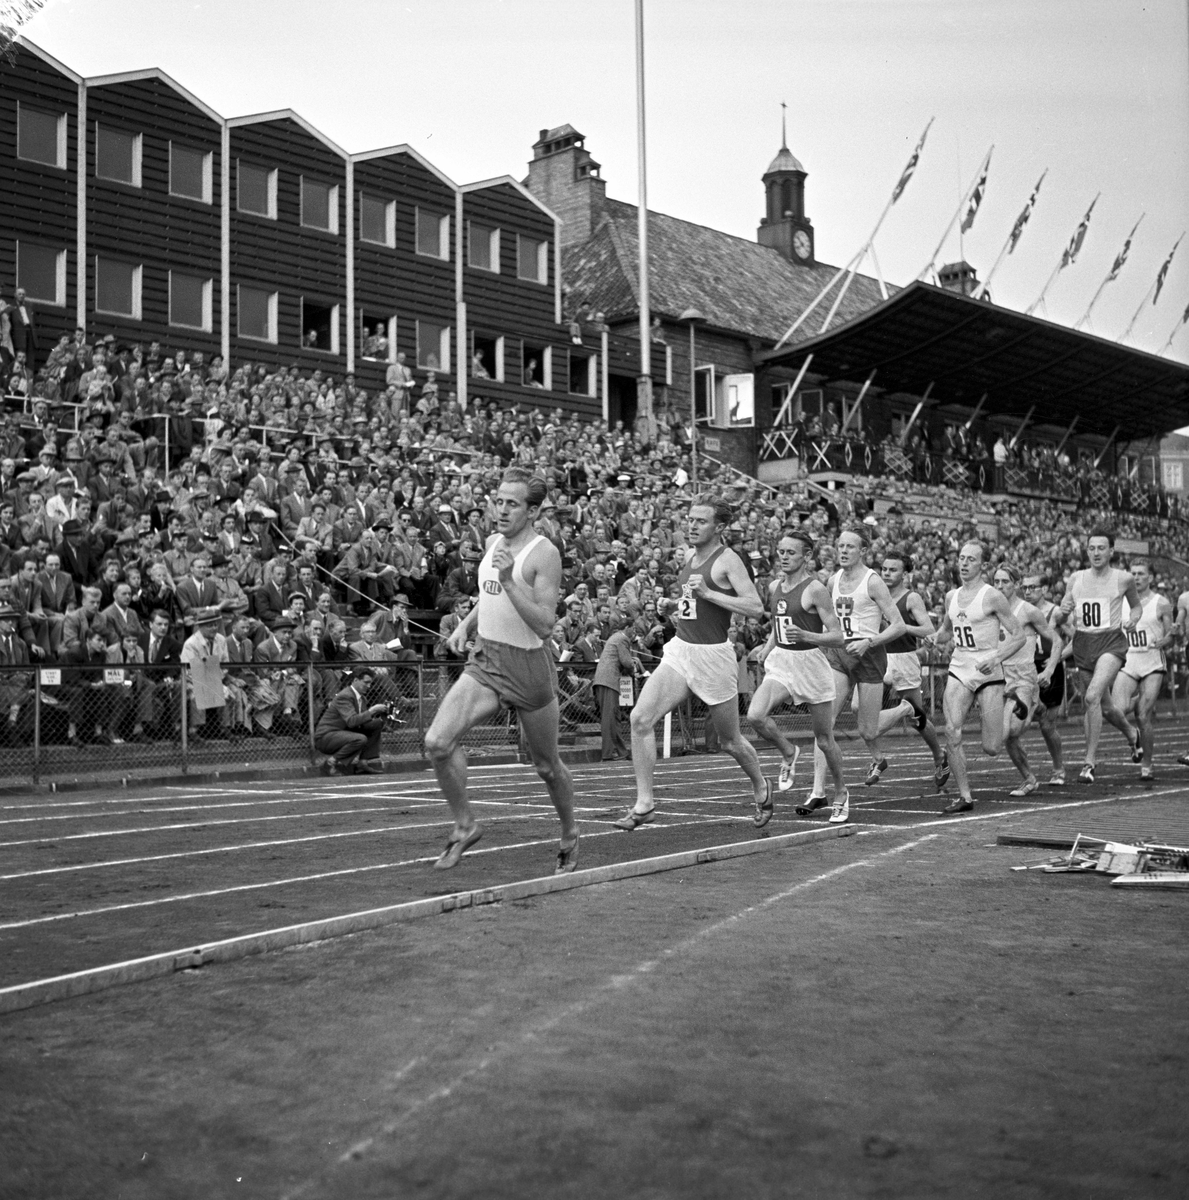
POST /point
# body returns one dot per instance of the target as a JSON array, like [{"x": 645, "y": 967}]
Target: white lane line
[
  {"x": 272, "y": 883},
  {"x": 612, "y": 986}
]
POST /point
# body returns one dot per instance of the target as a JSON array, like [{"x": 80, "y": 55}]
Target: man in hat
[
  {"x": 96, "y": 708},
  {"x": 463, "y": 580},
  {"x": 348, "y": 731},
  {"x": 392, "y": 629},
  {"x": 275, "y": 696},
  {"x": 79, "y": 558},
  {"x": 204, "y": 653}
]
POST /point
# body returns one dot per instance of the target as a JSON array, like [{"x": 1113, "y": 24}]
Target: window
[
  {"x": 377, "y": 336},
  {"x": 117, "y": 287},
  {"x": 487, "y": 357},
  {"x": 190, "y": 173},
  {"x": 190, "y": 301},
  {"x": 1174, "y": 476},
  {"x": 41, "y": 137},
  {"x": 483, "y": 247},
  {"x": 319, "y": 205},
  {"x": 377, "y": 220},
  {"x": 433, "y": 234},
  {"x": 41, "y": 271},
  {"x": 704, "y": 394},
  {"x": 536, "y": 365},
  {"x": 532, "y": 259},
  {"x": 117, "y": 155},
  {"x": 257, "y": 314},
  {"x": 583, "y": 376},
  {"x": 257, "y": 190},
  {"x": 739, "y": 400},
  {"x": 433, "y": 346},
  {"x": 319, "y": 326}
]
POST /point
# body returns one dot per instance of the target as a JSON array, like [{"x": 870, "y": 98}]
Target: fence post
[
  {"x": 420, "y": 704},
  {"x": 37, "y": 725},
  {"x": 310, "y": 710},
  {"x": 185, "y": 707}
]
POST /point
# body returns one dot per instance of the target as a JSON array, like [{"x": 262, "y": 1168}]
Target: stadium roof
[{"x": 925, "y": 335}]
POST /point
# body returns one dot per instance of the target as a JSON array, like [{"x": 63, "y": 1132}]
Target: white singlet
[
  {"x": 858, "y": 614},
  {"x": 498, "y": 619},
  {"x": 1025, "y": 657},
  {"x": 1097, "y": 600},
  {"x": 1142, "y": 659},
  {"x": 976, "y": 635}
]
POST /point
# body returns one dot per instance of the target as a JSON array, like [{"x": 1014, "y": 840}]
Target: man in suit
[
  {"x": 348, "y": 732},
  {"x": 78, "y": 557},
  {"x": 16, "y": 691},
  {"x": 81, "y": 621},
  {"x": 197, "y": 590},
  {"x": 269, "y": 599},
  {"x": 278, "y": 689},
  {"x": 370, "y": 649},
  {"x": 96, "y": 707},
  {"x": 23, "y": 330},
  {"x": 119, "y": 620}
]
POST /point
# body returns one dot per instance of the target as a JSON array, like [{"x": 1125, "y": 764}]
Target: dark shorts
[
  {"x": 871, "y": 668},
  {"x": 525, "y": 680},
  {"x": 1088, "y": 648},
  {"x": 1053, "y": 694}
]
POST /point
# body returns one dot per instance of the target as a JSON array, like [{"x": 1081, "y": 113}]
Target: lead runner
[
  {"x": 510, "y": 666},
  {"x": 700, "y": 661}
]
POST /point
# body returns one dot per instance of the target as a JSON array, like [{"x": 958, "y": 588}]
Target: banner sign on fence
[{"x": 51, "y": 676}]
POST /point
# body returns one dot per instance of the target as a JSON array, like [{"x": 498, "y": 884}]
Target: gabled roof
[
  {"x": 738, "y": 285},
  {"x": 416, "y": 156},
  {"x": 287, "y": 114},
  {"x": 158, "y": 74},
  {"x": 48, "y": 58},
  {"x": 516, "y": 185}
]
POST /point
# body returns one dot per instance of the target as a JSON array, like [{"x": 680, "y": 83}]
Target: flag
[
  {"x": 1022, "y": 219},
  {"x": 1164, "y": 270},
  {"x": 1185, "y": 315},
  {"x": 976, "y": 197},
  {"x": 912, "y": 165},
  {"x": 1121, "y": 257},
  {"x": 1075, "y": 242}
]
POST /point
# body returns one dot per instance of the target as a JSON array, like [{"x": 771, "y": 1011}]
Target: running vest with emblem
[
  {"x": 695, "y": 618},
  {"x": 788, "y": 613},
  {"x": 905, "y": 643},
  {"x": 858, "y": 614},
  {"x": 975, "y": 630},
  {"x": 498, "y": 619}
]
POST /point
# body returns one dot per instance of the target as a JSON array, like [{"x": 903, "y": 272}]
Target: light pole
[{"x": 693, "y": 316}]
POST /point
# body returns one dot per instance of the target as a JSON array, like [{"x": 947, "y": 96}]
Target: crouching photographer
[{"x": 349, "y": 730}]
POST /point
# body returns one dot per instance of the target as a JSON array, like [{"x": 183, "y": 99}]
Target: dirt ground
[{"x": 887, "y": 1015}]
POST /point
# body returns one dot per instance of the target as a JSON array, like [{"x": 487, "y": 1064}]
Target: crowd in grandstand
[{"x": 153, "y": 501}]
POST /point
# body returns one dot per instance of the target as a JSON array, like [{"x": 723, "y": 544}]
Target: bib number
[
  {"x": 687, "y": 608},
  {"x": 784, "y": 631},
  {"x": 964, "y": 637},
  {"x": 1138, "y": 638},
  {"x": 1092, "y": 615}
]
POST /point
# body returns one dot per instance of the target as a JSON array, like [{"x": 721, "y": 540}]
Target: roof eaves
[{"x": 95, "y": 81}]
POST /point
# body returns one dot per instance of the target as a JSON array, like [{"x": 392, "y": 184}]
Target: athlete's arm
[
  {"x": 535, "y": 599},
  {"x": 1164, "y": 616},
  {"x": 768, "y": 645},
  {"x": 1067, "y": 599},
  {"x": 1034, "y": 617},
  {"x": 461, "y": 633},
  {"x": 816, "y": 597},
  {"x": 746, "y": 600},
  {"x": 1183, "y": 613},
  {"x": 923, "y": 627},
  {"x": 997, "y": 603},
  {"x": 946, "y": 632},
  {"x": 878, "y": 590},
  {"x": 1132, "y": 598}
]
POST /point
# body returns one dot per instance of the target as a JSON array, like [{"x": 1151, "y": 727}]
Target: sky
[{"x": 1096, "y": 91}]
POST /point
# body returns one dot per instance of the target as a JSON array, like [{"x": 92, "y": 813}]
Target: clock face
[{"x": 801, "y": 244}]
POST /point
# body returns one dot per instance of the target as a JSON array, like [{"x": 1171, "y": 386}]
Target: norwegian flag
[
  {"x": 1164, "y": 270},
  {"x": 912, "y": 165},
  {"x": 1075, "y": 242},
  {"x": 1018, "y": 228},
  {"x": 1121, "y": 257},
  {"x": 976, "y": 197}
]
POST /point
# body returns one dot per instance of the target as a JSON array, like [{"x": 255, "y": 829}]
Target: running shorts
[
  {"x": 1053, "y": 693},
  {"x": 904, "y": 672},
  {"x": 525, "y": 680},
  {"x": 804, "y": 674},
  {"x": 1142, "y": 663},
  {"x": 710, "y": 670},
  {"x": 966, "y": 672},
  {"x": 1088, "y": 648},
  {"x": 1023, "y": 684},
  {"x": 871, "y": 668}
]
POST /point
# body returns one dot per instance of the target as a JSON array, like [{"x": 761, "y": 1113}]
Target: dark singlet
[
  {"x": 905, "y": 643},
  {"x": 698, "y": 620},
  {"x": 788, "y": 612}
]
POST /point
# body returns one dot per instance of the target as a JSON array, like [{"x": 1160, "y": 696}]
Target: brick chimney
[{"x": 563, "y": 176}]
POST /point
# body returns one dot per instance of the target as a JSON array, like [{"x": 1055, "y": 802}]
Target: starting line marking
[{"x": 80, "y": 983}]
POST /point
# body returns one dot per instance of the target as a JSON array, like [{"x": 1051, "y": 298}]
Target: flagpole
[
  {"x": 852, "y": 266},
  {"x": 1007, "y": 245},
  {"x": 978, "y": 175},
  {"x": 1112, "y": 274},
  {"x": 1158, "y": 280},
  {"x": 644, "y": 412},
  {"x": 1175, "y": 330},
  {"x": 1064, "y": 261}
]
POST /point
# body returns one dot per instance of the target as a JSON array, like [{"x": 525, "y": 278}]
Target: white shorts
[
  {"x": 710, "y": 671},
  {"x": 1142, "y": 663},
  {"x": 904, "y": 672},
  {"x": 965, "y": 671},
  {"x": 1023, "y": 683},
  {"x": 805, "y": 674}
]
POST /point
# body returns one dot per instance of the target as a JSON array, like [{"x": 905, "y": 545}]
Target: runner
[
  {"x": 510, "y": 666},
  {"x": 861, "y": 602},
  {"x": 904, "y": 666},
  {"x": 1022, "y": 683},
  {"x": 700, "y": 661},
  {"x": 1144, "y": 668},
  {"x": 1052, "y": 694},
  {"x": 795, "y": 667},
  {"x": 979, "y": 622},
  {"x": 1095, "y": 598}
]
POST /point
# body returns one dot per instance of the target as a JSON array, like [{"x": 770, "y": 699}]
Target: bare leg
[
  {"x": 1149, "y": 692},
  {"x": 823, "y": 734},
  {"x": 1013, "y": 727},
  {"x": 870, "y": 712},
  {"x": 768, "y": 696},
  {"x": 466, "y": 704},
  {"x": 663, "y": 692},
  {"x": 842, "y": 690},
  {"x": 1052, "y": 736},
  {"x": 888, "y": 717},
  {"x": 726, "y": 722},
  {"x": 956, "y": 705},
  {"x": 1099, "y": 705},
  {"x": 540, "y": 735},
  {"x": 929, "y": 734}
]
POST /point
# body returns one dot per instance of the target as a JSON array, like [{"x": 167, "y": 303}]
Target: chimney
[{"x": 563, "y": 176}]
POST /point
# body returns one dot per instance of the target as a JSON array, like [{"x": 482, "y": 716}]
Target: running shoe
[
  {"x": 1058, "y": 778},
  {"x": 876, "y": 769},
  {"x": 788, "y": 771},
  {"x": 1184, "y": 759},
  {"x": 1146, "y": 775},
  {"x": 1026, "y": 788},
  {"x": 942, "y": 775},
  {"x": 809, "y": 805},
  {"x": 840, "y": 813},
  {"x": 633, "y": 819},
  {"x": 1087, "y": 774},
  {"x": 456, "y": 844},
  {"x": 567, "y": 858},
  {"x": 764, "y": 808},
  {"x": 1137, "y": 752},
  {"x": 958, "y": 805}
]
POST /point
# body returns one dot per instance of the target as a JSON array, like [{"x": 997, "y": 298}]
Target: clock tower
[{"x": 785, "y": 227}]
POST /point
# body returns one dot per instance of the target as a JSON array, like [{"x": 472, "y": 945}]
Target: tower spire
[{"x": 784, "y": 138}]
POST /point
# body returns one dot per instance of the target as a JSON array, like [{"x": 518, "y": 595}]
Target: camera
[{"x": 391, "y": 715}]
